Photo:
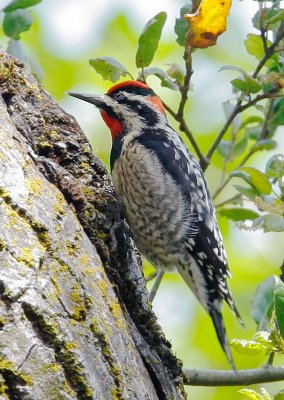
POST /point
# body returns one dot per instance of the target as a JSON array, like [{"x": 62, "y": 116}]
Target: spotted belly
[{"x": 158, "y": 214}]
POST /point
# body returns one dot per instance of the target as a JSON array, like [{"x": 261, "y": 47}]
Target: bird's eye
[{"x": 120, "y": 97}]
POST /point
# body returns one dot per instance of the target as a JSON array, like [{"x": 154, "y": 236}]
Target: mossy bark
[{"x": 75, "y": 321}]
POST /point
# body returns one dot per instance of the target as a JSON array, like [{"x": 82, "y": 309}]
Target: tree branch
[
  {"x": 184, "y": 128},
  {"x": 195, "y": 377},
  {"x": 229, "y": 200},
  {"x": 185, "y": 87},
  {"x": 179, "y": 116}
]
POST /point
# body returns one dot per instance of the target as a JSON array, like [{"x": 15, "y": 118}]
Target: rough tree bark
[{"x": 75, "y": 321}]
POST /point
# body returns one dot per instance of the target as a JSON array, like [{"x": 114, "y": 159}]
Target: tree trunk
[{"x": 75, "y": 321}]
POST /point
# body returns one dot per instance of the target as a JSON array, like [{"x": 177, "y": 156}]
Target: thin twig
[
  {"x": 270, "y": 359},
  {"x": 184, "y": 128},
  {"x": 179, "y": 116},
  {"x": 195, "y": 377},
  {"x": 229, "y": 200},
  {"x": 184, "y": 89},
  {"x": 170, "y": 110},
  {"x": 264, "y": 39},
  {"x": 268, "y": 112}
]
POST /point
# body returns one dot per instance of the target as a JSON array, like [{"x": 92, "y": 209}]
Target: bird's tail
[
  {"x": 216, "y": 316},
  {"x": 213, "y": 307},
  {"x": 233, "y": 307}
]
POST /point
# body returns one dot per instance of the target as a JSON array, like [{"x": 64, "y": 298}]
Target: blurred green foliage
[{"x": 256, "y": 190}]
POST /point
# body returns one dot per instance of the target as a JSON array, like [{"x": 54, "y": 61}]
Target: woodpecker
[{"x": 165, "y": 196}]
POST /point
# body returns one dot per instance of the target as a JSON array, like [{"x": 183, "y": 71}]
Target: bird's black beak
[{"x": 98, "y": 100}]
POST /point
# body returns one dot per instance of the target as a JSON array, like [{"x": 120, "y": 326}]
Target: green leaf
[
  {"x": 279, "y": 395},
  {"x": 264, "y": 144},
  {"x": 269, "y": 223},
  {"x": 254, "y": 46},
  {"x": 176, "y": 72},
  {"x": 15, "y": 4},
  {"x": 250, "y": 193},
  {"x": 233, "y": 68},
  {"x": 239, "y": 147},
  {"x": 108, "y": 68},
  {"x": 242, "y": 175},
  {"x": 264, "y": 337},
  {"x": 279, "y": 308},
  {"x": 257, "y": 19},
  {"x": 224, "y": 148},
  {"x": 263, "y": 302},
  {"x": 275, "y": 166},
  {"x": 251, "y": 120},
  {"x": 149, "y": 40},
  {"x": 258, "y": 180},
  {"x": 166, "y": 81},
  {"x": 247, "y": 347},
  {"x": 254, "y": 132},
  {"x": 253, "y": 85},
  {"x": 251, "y": 394},
  {"x": 265, "y": 394},
  {"x": 181, "y": 25},
  {"x": 240, "y": 85},
  {"x": 16, "y": 22},
  {"x": 238, "y": 214},
  {"x": 247, "y": 85},
  {"x": 278, "y": 113},
  {"x": 267, "y": 87},
  {"x": 265, "y": 18},
  {"x": 274, "y": 16}
]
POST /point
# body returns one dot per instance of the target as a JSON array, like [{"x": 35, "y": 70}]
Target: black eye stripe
[
  {"x": 145, "y": 111},
  {"x": 119, "y": 96}
]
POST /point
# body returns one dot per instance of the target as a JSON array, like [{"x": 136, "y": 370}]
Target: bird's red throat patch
[{"x": 115, "y": 126}]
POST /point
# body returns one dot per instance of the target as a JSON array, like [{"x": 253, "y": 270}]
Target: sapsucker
[{"x": 165, "y": 196}]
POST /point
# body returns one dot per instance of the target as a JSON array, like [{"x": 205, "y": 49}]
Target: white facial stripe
[{"x": 144, "y": 100}]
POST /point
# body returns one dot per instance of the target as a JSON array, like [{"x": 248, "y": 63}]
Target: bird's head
[{"x": 127, "y": 106}]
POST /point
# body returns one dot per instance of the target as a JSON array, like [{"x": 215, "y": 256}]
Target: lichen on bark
[{"x": 74, "y": 310}]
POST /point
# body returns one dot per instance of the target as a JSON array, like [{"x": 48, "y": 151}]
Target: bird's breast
[{"x": 157, "y": 212}]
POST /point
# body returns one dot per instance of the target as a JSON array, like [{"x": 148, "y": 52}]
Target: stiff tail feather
[
  {"x": 218, "y": 322},
  {"x": 233, "y": 307},
  {"x": 213, "y": 307}
]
